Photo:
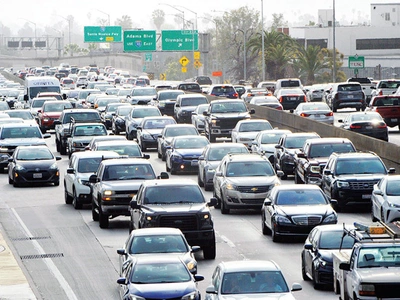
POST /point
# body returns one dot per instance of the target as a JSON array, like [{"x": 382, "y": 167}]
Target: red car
[{"x": 49, "y": 112}]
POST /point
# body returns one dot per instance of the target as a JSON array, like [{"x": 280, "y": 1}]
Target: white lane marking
[
  {"x": 50, "y": 264},
  {"x": 228, "y": 241}
]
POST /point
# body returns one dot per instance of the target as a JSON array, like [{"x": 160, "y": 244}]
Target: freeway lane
[{"x": 82, "y": 261}]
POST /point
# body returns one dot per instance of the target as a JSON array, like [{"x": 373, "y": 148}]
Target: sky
[{"x": 46, "y": 12}]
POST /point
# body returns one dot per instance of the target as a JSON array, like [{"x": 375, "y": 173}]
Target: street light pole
[
  {"x": 181, "y": 11},
  {"x": 334, "y": 44},
  {"x": 262, "y": 40},
  {"x": 34, "y": 24},
  {"x": 108, "y": 16},
  {"x": 195, "y": 13},
  {"x": 244, "y": 54},
  {"x": 69, "y": 28}
]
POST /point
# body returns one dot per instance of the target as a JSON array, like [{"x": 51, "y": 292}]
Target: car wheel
[
  {"x": 173, "y": 170},
  {"x": 67, "y": 197},
  {"x": 382, "y": 216},
  {"x": 224, "y": 209},
  {"x": 158, "y": 153},
  {"x": 95, "y": 215},
  {"x": 58, "y": 147},
  {"x": 334, "y": 108},
  {"x": 75, "y": 201},
  {"x": 143, "y": 146},
  {"x": 130, "y": 136},
  {"x": 265, "y": 229},
  {"x": 103, "y": 219},
  {"x": 275, "y": 237},
  {"x": 57, "y": 183},
  {"x": 166, "y": 167},
  {"x": 163, "y": 156},
  {"x": 211, "y": 138},
  {"x": 63, "y": 150},
  {"x": 314, "y": 280},
  {"x": 199, "y": 181},
  {"x": 15, "y": 184},
  {"x": 303, "y": 270},
  {"x": 373, "y": 218},
  {"x": 130, "y": 226},
  {"x": 218, "y": 200},
  {"x": 210, "y": 252}
]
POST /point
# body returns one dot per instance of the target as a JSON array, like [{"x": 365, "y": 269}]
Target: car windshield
[
  {"x": 291, "y": 92},
  {"x": 366, "y": 117},
  {"x": 128, "y": 172},
  {"x": 325, "y": 150},
  {"x": 145, "y": 112},
  {"x": 270, "y": 138},
  {"x": 379, "y": 257},
  {"x": 89, "y": 165},
  {"x": 56, "y": 107},
  {"x": 171, "y": 132},
  {"x": 360, "y": 166},
  {"x": 393, "y": 188},
  {"x": 157, "y": 124},
  {"x": 144, "y": 92},
  {"x": 90, "y": 130},
  {"x": 300, "y": 197},
  {"x": 296, "y": 142},
  {"x": 169, "y": 95},
  {"x": 173, "y": 194},
  {"x": 193, "y": 101},
  {"x": 216, "y": 154},
  {"x": 158, "y": 244},
  {"x": 228, "y": 107},
  {"x": 254, "y": 168},
  {"x": 34, "y": 154},
  {"x": 124, "y": 92},
  {"x": 23, "y": 114},
  {"x": 81, "y": 116},
  {"x": 183, "y": 143},
  {"x": 129, "y": 150},
  {"x": 315, "y": 106},
  {"x": 349, "y": 88},
  {"x": 254, "y": 126},
  {"x": 160, "y": 273},
  {"x": 333, "y": 240},
  {"x": 104, "y": 102},
  {"x": 20, "y": 133},
  {"x": 253, "y": 282},
  {"x": 123, "y": 111}
]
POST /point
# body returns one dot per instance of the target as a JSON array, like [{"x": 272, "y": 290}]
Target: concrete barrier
[{"x": 388, "y": 152}]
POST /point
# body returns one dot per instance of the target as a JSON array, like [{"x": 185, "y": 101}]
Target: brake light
[
  {"x": 380, "y": 93},
  {"x": 251, "y": 95},
  {"x": 352, "y": 126},
  {"x": 281, "y": 99},
  {"x": 212, "y": 95},
  {"x": 304, "y": 99},
  {"x": 304, "y": 115},
  {"x": 279, "y": 108},
  {"x": 236, "y": 95},
  {"x": 330, "y": 114},
  {"x": 382, "y": 125}
]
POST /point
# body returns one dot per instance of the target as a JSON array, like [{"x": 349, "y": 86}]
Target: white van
[
  {"x": 287, "y": 83},
  {"x": 35, "y": 85}
]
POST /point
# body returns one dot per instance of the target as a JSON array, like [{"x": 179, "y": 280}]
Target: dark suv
[
  {"x": 185, "y": 105},
  {"x": 223, "y": 90},
  {"x": 179, "y": 204},
  {"x": 350, "y": 177},
  {"x": 222, "y": 116},
  {"x": 346, "y": 94}
]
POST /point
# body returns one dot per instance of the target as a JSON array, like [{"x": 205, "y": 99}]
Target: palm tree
[
  {"x": 309, "y": 61},
  {"x": 158, "y": 16},
  {"x": 125, "y": 22}
]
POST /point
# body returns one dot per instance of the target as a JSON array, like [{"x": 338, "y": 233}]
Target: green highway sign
[
  {"x": 148, "y": 57},
  {"x": 102, "y": 34},
  {"x": 140, "y": 40},
  {"x": 356, "y": 62},
  {"x": 179, "y": 40}
]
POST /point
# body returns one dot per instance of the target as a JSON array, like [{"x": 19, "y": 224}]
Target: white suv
[{"x": 76, "y": 179}]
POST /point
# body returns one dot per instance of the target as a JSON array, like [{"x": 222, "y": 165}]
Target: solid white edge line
[{"x": 50, "y": 264}]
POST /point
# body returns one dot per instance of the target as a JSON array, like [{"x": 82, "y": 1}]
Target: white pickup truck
[
  {"x": 371, "y": 270},
  {"x": 385, "y": 87}
]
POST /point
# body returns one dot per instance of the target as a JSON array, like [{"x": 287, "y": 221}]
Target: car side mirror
[
  {"x": 344, "y": 266},
  {"x": 252, "y": 111},
  {"x": 93, "y": 178},
  {"x": 122, "y": 280},
  {"x": 133, "y": 204},
  {"x": 195, "y": 249},
  {"x": 267, "y": 202},
  {"x": 211, "y": 290},
  {"x": 121, "y": 251},
  {"x": 327, "y": 172},
  {"x": 213, "y": 202},
  {"x": 46, "y": 135},
  {"x": 163, "y": 175},
  {"x": 219, "y": 173},
  {"x": 70, "y": 171},
  {"x": 11, "y": 159},
  {"x": 206, "y": 113},
  {"x": 146, "y": 156},
  {"x": 58, "y": 157},
  {"x": 57, "y": 122}
]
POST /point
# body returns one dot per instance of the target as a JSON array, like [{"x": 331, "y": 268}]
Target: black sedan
[
  {"x": 33, "y": 164},
  {"x": 118, "y": 119},
  {"x": 316, "y": 256},
  {"x": 368, "y": 123},
  {"x": 158, "y": 240},
  {"x": 290, "y": 210},
  {"x": 158, "y": 277}
]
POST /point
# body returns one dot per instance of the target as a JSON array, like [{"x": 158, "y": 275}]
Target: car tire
[
  {"x": 63, "y": 150},
  {"x": 173, "y": 170},
  {"x": 158, "y": 153},
  {"x": 163, "y": 155},
  {"x": 67, "y": 197},
  {"x": 199, "y": 181},
  {"x": 15, "y": 184},
  {"x": 95, "y": 215},
  {"x": 208, "y": 187},
  {"x": 264, "y": 227},
  {"x": 57, "y": 183},
  {"x": 373, "y": 218},
  {"x": 224, "y": 209},
  {"x": 103, "y": 219},
  {"x": 166, "y": 167},
  {"x": 210, "y": 252},
  {"x": 58, "y": 146},
  {"x": 131, "y": 226},
  {"x": 218, "y": 200},
  {"x": 75, "y": 202},
  {"x": 143, "y": 146},
  {"x": 275, "y": 237},
  {"x": 316, "y": 285},
  {"x": 211, "y": 138}
]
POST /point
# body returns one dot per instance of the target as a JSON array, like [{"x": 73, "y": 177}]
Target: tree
[
  {"x": 125, "y": 22},
  {"x": 327, "y": 55},
  {"x": 158, "y": 17},
  {"x": 72, "y": 49},
  {"x": 308, "y": 62},
  {"x": 278, "y": 21}
]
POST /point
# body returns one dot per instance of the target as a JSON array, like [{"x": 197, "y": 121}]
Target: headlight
[
  {"x": 282, "y": 219},
  {"x": 191, "y": 265},
  {"x": 342, "y": 184},
  {"x": 54, "y": 167},
  {"x": 45, "y": 119},
  {"x": 393, "y": 205},
  {"x": 82, "y": 181},
  {"x": 230, "y": 186},
  {"x": 107, "y": 193},
  {"x": 176, "y": 157},
  {"x": 366, "y": 290},
  {"x": 330, "y": 219},
  {"x": 211, "y": 170},
  {"x": 190, "y": 296},
  {"x": 213, "y": 122},
  {"x": 19, "y": 168},
  {"x": 134, "y": 297},
  {"x": 161, "y": 104},
  {"x": 322, "y": 262},
  {"x": 315, "y": 169},
  {"x": 206, "y": 221},
  {"x": 146, "y": 136}
]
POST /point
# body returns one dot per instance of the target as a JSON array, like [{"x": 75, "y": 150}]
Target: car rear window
[
  {"x": 290, "y": 83},
  {"x": 349, "y": 87}
]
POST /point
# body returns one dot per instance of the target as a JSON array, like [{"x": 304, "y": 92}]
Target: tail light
[
  {"x": 251, "y": 95},
  {"x": 236, "y": 95},
  {"x": 329, "y": 114},
  {"x": 380, "y": 93},
  {"x": 383, "y": 125},
  {"x": 279, "y": 108},
  {"x": 281, "y": 99},
  {"x": 212, "y": 95},
  {"x": 304, "y": 99},
  {"x": 304, "y": 115},
  {"x": 352, "y": 126}
]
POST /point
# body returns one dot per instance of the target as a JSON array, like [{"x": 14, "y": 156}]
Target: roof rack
[{"x": 374, "y": 232}]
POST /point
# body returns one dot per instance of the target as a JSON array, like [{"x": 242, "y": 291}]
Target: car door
[
  {"x": 69, "y": 177},
  {"x": 309, "y": 254},
  {"x": 136, "y": 213},
  {"x": 234, "y": 133},
  {"x": 327, "y": 179},
  {"x": 269, "y": 211},
  {"x": 378, "y": 199},
  {"x": 217, "y": 179}
]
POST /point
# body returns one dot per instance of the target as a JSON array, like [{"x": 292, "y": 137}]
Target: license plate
[
  {"x": 37, "y": 175},
  {"x": 393, "y": 120},
  {"x": 368, "y": 127},
  {"x": 366, "y": 196},
  {"x": 350, "y": 96},
  {"x": 293, "y": 98},
  {"x": 194, "y": 163},
  {"x": 317, "y": 116}
]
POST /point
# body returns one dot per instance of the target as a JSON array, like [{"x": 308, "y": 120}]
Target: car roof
[
  {"x": 156, "y": 231},
  {"x": 249, "y": 265},
  {"x": 293, "y": 186},
  {"x": 294, "y": 134},
  {"x": 85, "y": 154},
  {"x": 125, "y": 161},
  {"x": 78, "y": 110},
  {"x": 228, "y": 144},
  {"x": 253, "y": 121},
  {"x": 179, "y": 125},
  {"x": 155, "y": 259},
  {"x": 19, "y": 125},
  {"x": 227, "y": 100},
  {"x": 169, "y": 182},
  {"x": 329, "y": 140},
  {"x": 334, "y": 227},
  {"x": 246, "y": 157},
  {"x": 356, "y": 154},
  {"x": 116, "y": 142}
]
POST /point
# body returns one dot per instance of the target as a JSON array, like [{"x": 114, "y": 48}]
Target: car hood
[
  {"x": 249, "y": 135},
  {"x": 52, "y": 114},
  {"x": 213, "y": 164},
  {"x": 263, "y": 296},
  {"x": 154, "y": 132},
  {"x": 83, "y": 139},
  {"x": 188, "y": 108},
  {"x": 162, "y": 291},
  {"x": 268, "y": 147},
  {"x": 379, "y": 274},
  {"x": 22, "y": 142},
  {"x": 253, "y": 180},
  {"x": 293, "y": 210},
  {"x": 359, "y": 177},
  {"x": 32, "y": 164},
  {"x": 121, "y": 185},
  {"x": 142, "y": 97},
  {"x": 178, "y": 208},
  {"x": 189, "y": 152},
  {"x": 318, "y": 160},
  {"x": 239, "y": 115}
]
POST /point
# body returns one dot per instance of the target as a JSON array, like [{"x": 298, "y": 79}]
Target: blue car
[
  {"x": 223, "y": 90},
  {"x": 184, "y": 152},
  {"x": 158, "y": 277}
]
